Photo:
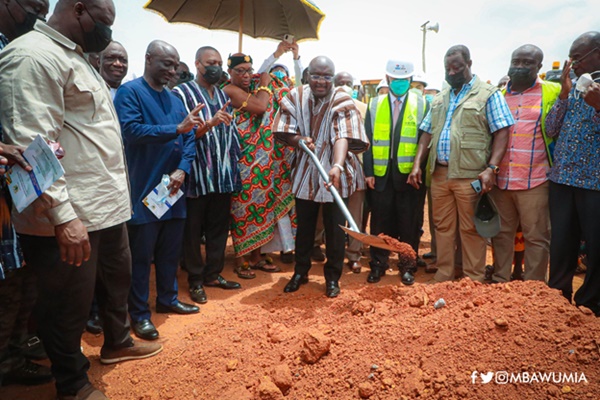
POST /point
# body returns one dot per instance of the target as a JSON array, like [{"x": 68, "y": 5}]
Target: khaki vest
[{"x": 470, "y": 136}]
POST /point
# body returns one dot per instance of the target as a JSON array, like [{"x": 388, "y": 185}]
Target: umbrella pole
[{"x": 241, "y": 25}]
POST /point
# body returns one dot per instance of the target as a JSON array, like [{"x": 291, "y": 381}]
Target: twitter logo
[{"x": 486, "y": 378}]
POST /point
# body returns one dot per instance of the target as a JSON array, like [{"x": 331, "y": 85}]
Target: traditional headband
[{"x": 234, "y": 61}]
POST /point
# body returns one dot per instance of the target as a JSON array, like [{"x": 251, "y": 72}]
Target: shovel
[{"x": 353, "y": 231}]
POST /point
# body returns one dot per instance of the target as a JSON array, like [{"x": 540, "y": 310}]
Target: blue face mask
[
  {"x": 429, "y": 98},
  {"x": 399, "y": 86},
  {"x": 280, "y": 74}
]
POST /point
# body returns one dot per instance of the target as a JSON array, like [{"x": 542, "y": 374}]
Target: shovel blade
[{"x": 371, "y": 240}]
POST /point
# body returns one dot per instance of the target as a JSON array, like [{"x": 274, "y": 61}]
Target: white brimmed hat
[
  {"x": 382, "y": 84},
  {"x": 399, "y": 69}
]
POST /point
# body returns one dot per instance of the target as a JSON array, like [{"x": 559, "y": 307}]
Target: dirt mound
[{"x": 384, "y": 342}]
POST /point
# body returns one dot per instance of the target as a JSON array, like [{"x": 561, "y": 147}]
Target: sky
[{"x": 360, "y": 36}]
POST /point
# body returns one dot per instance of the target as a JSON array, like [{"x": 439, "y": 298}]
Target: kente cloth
[{"x": 266, "y": 194}]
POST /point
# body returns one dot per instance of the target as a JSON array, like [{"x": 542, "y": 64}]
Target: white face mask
[
  {"x": 583, "y": 83},
  {"x": 348, "y": 90}
]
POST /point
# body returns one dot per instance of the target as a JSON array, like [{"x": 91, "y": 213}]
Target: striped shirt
[
  {"x": 11, "y": 256},
  {"x": 335, "y": 117},
  {"x": 496, "y": 111},
  {"x": 525, "y": 164},
  {"x": 215, "y": 168}
]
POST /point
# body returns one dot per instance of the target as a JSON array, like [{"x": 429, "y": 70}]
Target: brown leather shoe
[
  {"x": 88, "y": 392},
  {"x": 137, "y": 351}
]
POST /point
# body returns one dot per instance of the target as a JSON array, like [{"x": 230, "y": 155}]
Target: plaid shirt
[
  {"x": 497, "y": 113},
  {"x": 11, "y": 256},
  {"x": 525, "y": 164}
]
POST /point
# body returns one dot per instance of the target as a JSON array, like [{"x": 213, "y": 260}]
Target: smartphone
[
  {"x": 288, "y": 38},
  {"x": 476, "y": 185}
]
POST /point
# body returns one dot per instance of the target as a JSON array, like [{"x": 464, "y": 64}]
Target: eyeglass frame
[
  {"x": 326, "y": 78},
  {"x": 249, "y": 71},
  {"x": 586, "y": 55}
]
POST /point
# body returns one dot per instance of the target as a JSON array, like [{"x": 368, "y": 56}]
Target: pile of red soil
[{"x": 378, "y": 342}]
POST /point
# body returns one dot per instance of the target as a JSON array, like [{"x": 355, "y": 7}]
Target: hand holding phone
[
  {"x": 476, "y": 185},
  {"x": 288, "y": 38}
]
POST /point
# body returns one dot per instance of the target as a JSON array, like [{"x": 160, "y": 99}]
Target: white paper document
[
  {"x": 158, "y": 207},
  {"x": 25, "y": 186}
]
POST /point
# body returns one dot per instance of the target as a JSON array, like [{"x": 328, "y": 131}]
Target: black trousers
[
  {"x": 208, "y": 215},
  {"x": 394, "y": 213},
  {"x": 575, "y": 215},
  {"x": 65, "y": 296},
  {"x": 17, "y": 298},
  {"x": 306, "y": 215}
]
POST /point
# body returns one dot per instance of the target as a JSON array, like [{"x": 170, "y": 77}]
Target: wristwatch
[{"x": 495, "y": 169}]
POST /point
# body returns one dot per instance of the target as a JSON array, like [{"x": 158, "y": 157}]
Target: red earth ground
[{"x": 381, "y": 341}]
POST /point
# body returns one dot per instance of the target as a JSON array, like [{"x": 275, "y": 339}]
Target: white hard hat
[
  {"x": 382, "y": 84},
  {"x": 398, "y": 69},
  {"x": 420, "y": 77}
]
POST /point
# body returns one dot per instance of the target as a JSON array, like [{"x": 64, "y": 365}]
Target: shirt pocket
[{"x": 85, "y": 101}]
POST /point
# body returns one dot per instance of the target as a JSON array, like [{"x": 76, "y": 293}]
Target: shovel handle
[{"x": 332, "y": 189}]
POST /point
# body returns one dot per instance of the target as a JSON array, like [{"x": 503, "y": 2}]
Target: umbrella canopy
[{"x": 257, "y": 18}]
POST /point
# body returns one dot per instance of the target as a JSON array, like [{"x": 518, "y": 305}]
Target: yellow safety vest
[{"x": 382, "y": 132}]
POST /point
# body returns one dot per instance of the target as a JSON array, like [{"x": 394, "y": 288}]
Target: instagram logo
[{"x": 502, "y": 377}]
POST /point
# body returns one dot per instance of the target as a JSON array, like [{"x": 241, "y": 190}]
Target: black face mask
[
  {"x": 98, "y": 39},
  {"x": 456, "y": 81},
  {"x": 27, "y": 24},
  {"x": 213, "y": 73},
  {"x": 519, "y": 75}
]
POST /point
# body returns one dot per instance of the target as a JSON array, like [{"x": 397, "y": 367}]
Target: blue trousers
[{"x": 158, "y": 242}]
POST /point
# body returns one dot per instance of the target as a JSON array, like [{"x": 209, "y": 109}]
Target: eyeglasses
[
  {"x": 37, "y": 13},
  {"x": 576, "y": 62},
  {"x": 326, "y": 78},
  {"x": 242, "y": 72}
]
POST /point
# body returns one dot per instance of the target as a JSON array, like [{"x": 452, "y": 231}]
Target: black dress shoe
[
  {"x": 145, "y": 329},
  {"x": 333, "y": 289},
  {"x": 429, "y": 255},
  {"x": 295, "y": 282},
  {"x": 223, "y": 284},
  {"x": 287, "y": 258},
  {"x": 27, "y": 374},
  {"x": 421, "y": 263},
  {"x": 94, "y": 324},
  {"x": 317, "y": 254},
  {"x": 178, "y": 308},
  {"x": 408, "y": 278},
  {"x": 375, "y": 275},
  {"x": 198, "y": 294}
]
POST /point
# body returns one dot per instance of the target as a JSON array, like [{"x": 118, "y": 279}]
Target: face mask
[
  {"x": 456, "y": 81},
  {"x": 98, "y": 39},
  {"x": 399, "y": 86},
  {"x": 280, "y": 74},
  {"x": 213, "y": 73},
  {"x": 27, "y": 24},
  {"x": 429, "y": 98},
  {"x": 347, "y": 89},
  {"x": 355, "y": 94},
  {"x": 519, "y": 74}
]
